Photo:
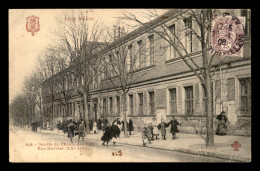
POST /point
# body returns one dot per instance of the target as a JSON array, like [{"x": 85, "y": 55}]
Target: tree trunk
[
  {"x": 210, "y": 132},
  {"x": 209, "y": 111},
  {"x": 124, "y": 110},
  {"x": 207, "y": 85},
  {"x": 85, "y": 96}
]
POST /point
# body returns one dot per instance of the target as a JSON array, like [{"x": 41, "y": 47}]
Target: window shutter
[
  {"x": 231, "y": 89},
  {"x": 196, "y": 98}
]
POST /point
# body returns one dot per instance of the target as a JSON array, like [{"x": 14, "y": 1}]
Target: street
[{"x": 28, "y": 146}]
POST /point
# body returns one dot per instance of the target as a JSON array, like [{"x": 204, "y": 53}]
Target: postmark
[
  {"x": 33, "y": 24},
  {"x": 227, "y": 35}
]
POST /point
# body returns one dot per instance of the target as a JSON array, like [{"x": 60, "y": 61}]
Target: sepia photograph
[{"x": 129, "y": 85}]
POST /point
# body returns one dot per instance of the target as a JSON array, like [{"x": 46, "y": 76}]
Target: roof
[{"x": 164, "y": 17}]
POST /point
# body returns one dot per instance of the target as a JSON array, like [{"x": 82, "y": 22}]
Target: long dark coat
[
  {"x": 174, "y": 123},
  {"x": 81, "y": 130},
  {"x": 71, "y": 131},
  {"x": 110, "y": 132},
  {"x": 131, "y": 126}
]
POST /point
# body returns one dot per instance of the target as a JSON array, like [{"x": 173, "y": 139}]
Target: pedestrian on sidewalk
[
  {"x": 162, "y": 126},
  {"x": 99, "y": 124},
  {"x": 174, "y": 128},
  {"x": 131, "y": 126},
  {"x": 81, "y": 131},
  {"x": 222, "y": 124},
  {"x": 155, "y": 129},
  {"x": 71, "y": 126},
  {"x": 104, "y": 123},
  {"x": 150, "y": 130},
  {"x": 58, "y": 126},
  {"x": 95, "y": 127},
  {"x": 110, "y": 132},
  {"x": 123, "y": 125},
  {"x": 33, "y": 126},
  {"x": 146, "y": 134},
  {"x": 118, "y": 123}
]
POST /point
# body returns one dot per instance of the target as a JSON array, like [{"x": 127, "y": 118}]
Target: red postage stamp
[
  {"x": 227, "y": 35},
  {"x": 32, "y": 24}
]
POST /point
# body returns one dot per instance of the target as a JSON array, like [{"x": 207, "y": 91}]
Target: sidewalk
[
  {"x": 187, "y": 143},
  {"x": 193, "y": 144}
]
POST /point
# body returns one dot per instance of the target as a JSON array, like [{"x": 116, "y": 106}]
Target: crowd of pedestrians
[{"x": 112, "y": 131}]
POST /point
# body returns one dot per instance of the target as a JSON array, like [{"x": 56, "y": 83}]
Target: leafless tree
[
  {"x": 47, "y": 67},
  {"x": 120, "y": 64},
  {"x": 19, "y": 110},
  {"x": 195, "y": 24},
  {"x": 79, "y": 39}
]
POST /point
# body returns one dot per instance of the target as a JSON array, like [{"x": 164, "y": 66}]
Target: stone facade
[{"x": 172, "y": 74}]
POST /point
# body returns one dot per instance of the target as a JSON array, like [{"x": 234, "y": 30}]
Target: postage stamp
[{"x": 227, "y": 35}]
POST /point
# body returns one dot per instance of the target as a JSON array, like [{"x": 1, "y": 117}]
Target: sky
[{"x": 25, "y": 48}]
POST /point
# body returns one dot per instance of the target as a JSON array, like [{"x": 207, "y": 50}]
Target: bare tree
[
  {"x": 19, "y": 110},
  {"x": 191, "y": 24},
  {"x": 30, "y": 91},
  {"x": 79, "y": 40},
  {"x": 47, "y": 69},
  {"x": 120, "y": 62}
]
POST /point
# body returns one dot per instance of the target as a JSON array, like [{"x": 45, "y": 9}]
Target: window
[
  {"x": 140, "y": 95},
  {"x": 151, "y": 47},
  {"x": 140, "y": 49},
  {"x": 111, "y": 106},
  {"x": 189, "y": 100},
  {"x": 188, "y": 33},
  {"x": 131, "y": 104},
  {"x": 118, "y": 105},
  {"x": 173, "y": 101},
  {"x": 245, "y": 95},
  {"x": 152, "y": 103},
  {"x": 172, "y": 50}
]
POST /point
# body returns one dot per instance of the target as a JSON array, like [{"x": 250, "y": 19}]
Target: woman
[
  {"x": 110, "y": 132},
  {"x": 162, "y": 126},
  {"x": 118, "y": 123},
  {"x": 131, "y": 126},
  {"x": 81, "y": 131},
  {"x": 155, "y": 129},
  {"x": 123, "y": 125},
  {"x": 71, "y": 126},
  {"x": 222, "y": 126},
  {"x": 95, "y": 127},
  {"x": 174, "y": 128}
]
